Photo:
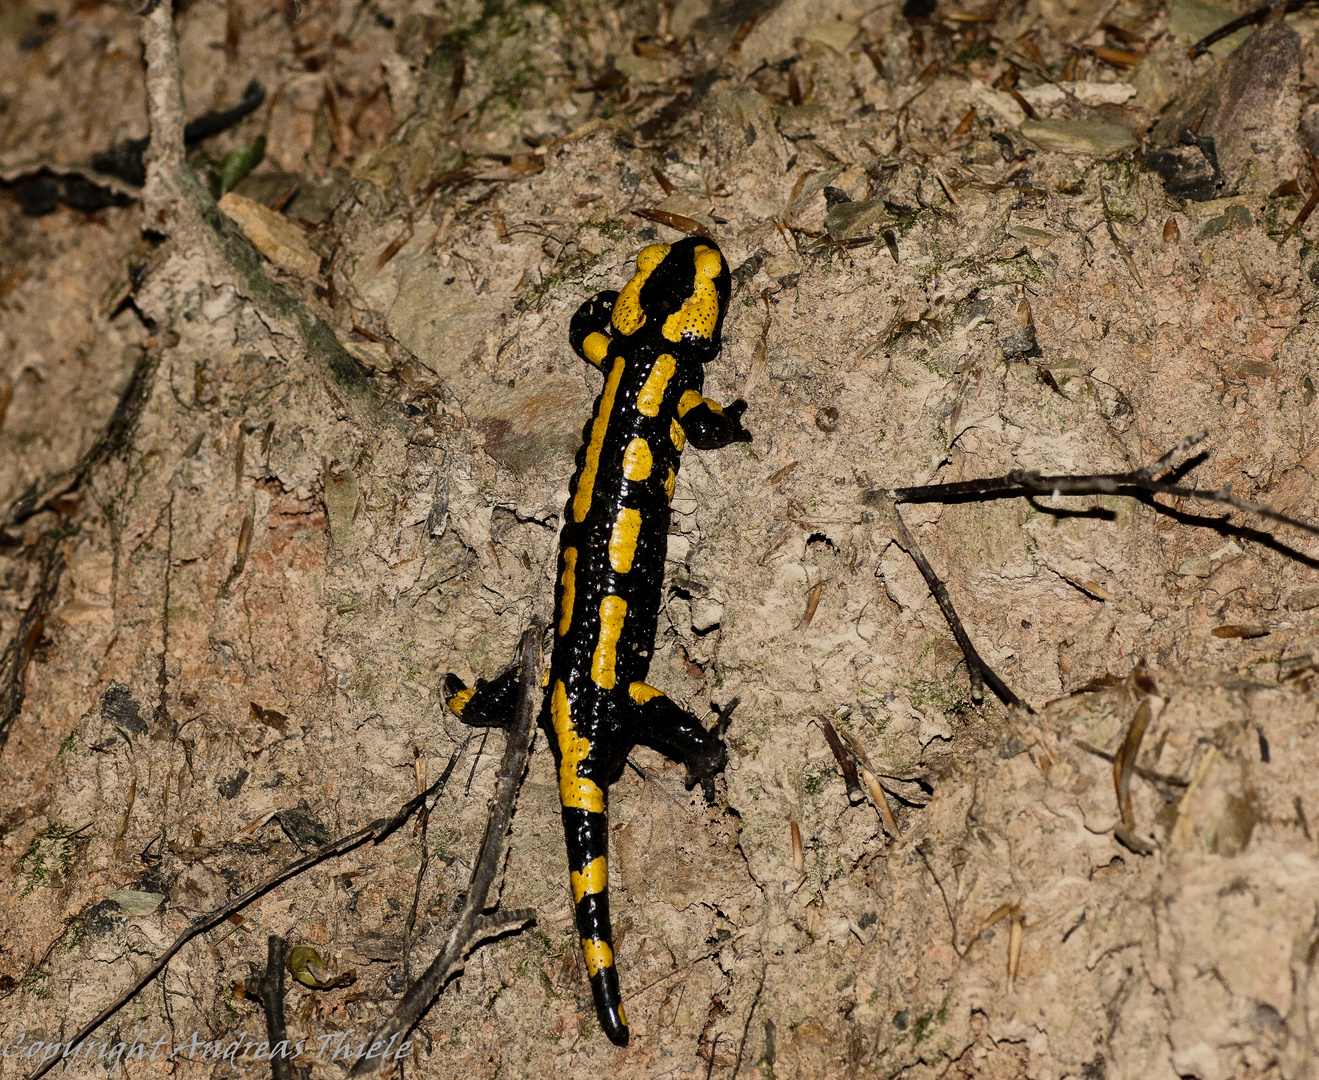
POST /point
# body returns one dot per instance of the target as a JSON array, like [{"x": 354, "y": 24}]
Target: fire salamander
[{"x": 651, "y": 341}]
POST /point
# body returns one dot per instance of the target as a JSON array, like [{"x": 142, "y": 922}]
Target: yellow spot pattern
[
  {"x": 623, "y": 540},
  {"x": 592, "y": 880},
  {"x": 699, "y": 313},
  {"x": 652, "y": 390},
  {"x": 628, "y": 317},
  {"x": 643, "y": 692},
  {"x": 581, "y": 500},
  {"x": 621, "y": 1018},
  {"x": 613, "y": 610},
  {"x": 678, "y": 436},
  {"x": 668, "y": 485},
  {"x": 459, "y": 700},
  {"x": 569, "y": 589},
  {"x": 574, "y": 790},
  {"x": 637, "y": 461},
  {"x": 689, "y": 400},
  {"x": 598, "y": 956},
  {"x": 596, "y": 346}
]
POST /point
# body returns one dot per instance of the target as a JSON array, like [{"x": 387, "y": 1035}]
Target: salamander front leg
[
  {"x": 664, "y": 726},
  {"x": 707, "y": 425},
  {"x": 589, "y": 333},
  {"x": 490, "y": 703}
]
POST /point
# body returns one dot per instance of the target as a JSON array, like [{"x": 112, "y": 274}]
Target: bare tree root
[
  {"x": 18, "y": 653},
  {"x": 115, "y": 437},
  {"x": 472, "y": 926},
  {"x": 184, "y": 209},
  {"x": 271, "y": 992}
]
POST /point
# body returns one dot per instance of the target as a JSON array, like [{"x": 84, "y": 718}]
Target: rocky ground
[{"x": 268, "y": 472}]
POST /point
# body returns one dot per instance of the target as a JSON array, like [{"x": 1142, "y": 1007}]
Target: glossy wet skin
[{"x": 651, "y": 341}]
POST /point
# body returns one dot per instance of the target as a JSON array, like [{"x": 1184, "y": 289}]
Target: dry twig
[{"x": 1140, "y": 484}]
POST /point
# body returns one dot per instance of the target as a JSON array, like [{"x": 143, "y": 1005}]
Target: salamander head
[{"x": 681, "y": 290}]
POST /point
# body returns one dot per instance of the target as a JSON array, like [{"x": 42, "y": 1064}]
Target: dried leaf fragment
[
  {"x": 1239, "y": 630},
  {"x": 681, "y": 222},
  {"x": 272, "y": 234}
]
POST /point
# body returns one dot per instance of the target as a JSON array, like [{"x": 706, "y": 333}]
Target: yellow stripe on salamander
[
  {"x": 596, "y": 347},
  {"x": 581, "y": 500},
  {"x": 623, "y": 540},
  {"x": 592, "y": 880},
  {"x": 459, "y": 700},
  {"x": 651, "y": 396},
  {"x": 598, "y": 956},
  {"x": 575, "y": 791},
  {"x": 613, "y": 610},
  {"x": 699, "y": 314},
  {"x": 668, "y": 485},
  {"x": 690, "y": 399},
  {"x": 643, "y": 692},
  {"x": 637, "y": 461},
  {"x": 678, "y": 436},
  {"x": 569, "y": 589},
  {"x": 628, "y": 317}
]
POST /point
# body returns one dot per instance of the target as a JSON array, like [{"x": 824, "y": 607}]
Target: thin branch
[
  {"x": 845, "y": 762},
  {"x": 111, "y": 441},
  {"x": 472, "y": 926},
  {"x": 923, "y": 849},
  {"x": 1251, "y": 18},
  {"x": 411, "y": 923},
  {"x": 1135, "y": 484},
  {"x": 271, "y": 992},
  {"x": 377, "y": 831},
  {"x": 1145, "y": 774},
  {"x": 981, "y": 673}
]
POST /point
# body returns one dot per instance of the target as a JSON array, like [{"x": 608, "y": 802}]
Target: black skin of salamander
[{"x": 611, "y": 721}]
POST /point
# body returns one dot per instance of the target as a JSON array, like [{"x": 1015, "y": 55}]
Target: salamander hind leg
[
  {"x": 589, "y": 332},
  {"x": 490, "y": 703},
  {"x": 664, "y": 726},
  {"x": 708, "y": 426}
]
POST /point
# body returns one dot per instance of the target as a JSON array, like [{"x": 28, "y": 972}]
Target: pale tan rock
[
  {"x": 272, "y": 234},
  {"x": 1078, "y": 136}
]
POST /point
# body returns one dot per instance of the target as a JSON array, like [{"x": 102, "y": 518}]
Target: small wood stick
[
  {"x": 812, "y": 602},
  {"x": 1014, "y": 946},
  {"x": 1124, "y": 762},
  {"x": 798, "y": 854},
  {"x": 845, "y": 762},
  {"x": 881, "y": 803}
]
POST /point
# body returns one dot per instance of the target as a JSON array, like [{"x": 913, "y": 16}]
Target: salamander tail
[{"x": 587, "y": 834}]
